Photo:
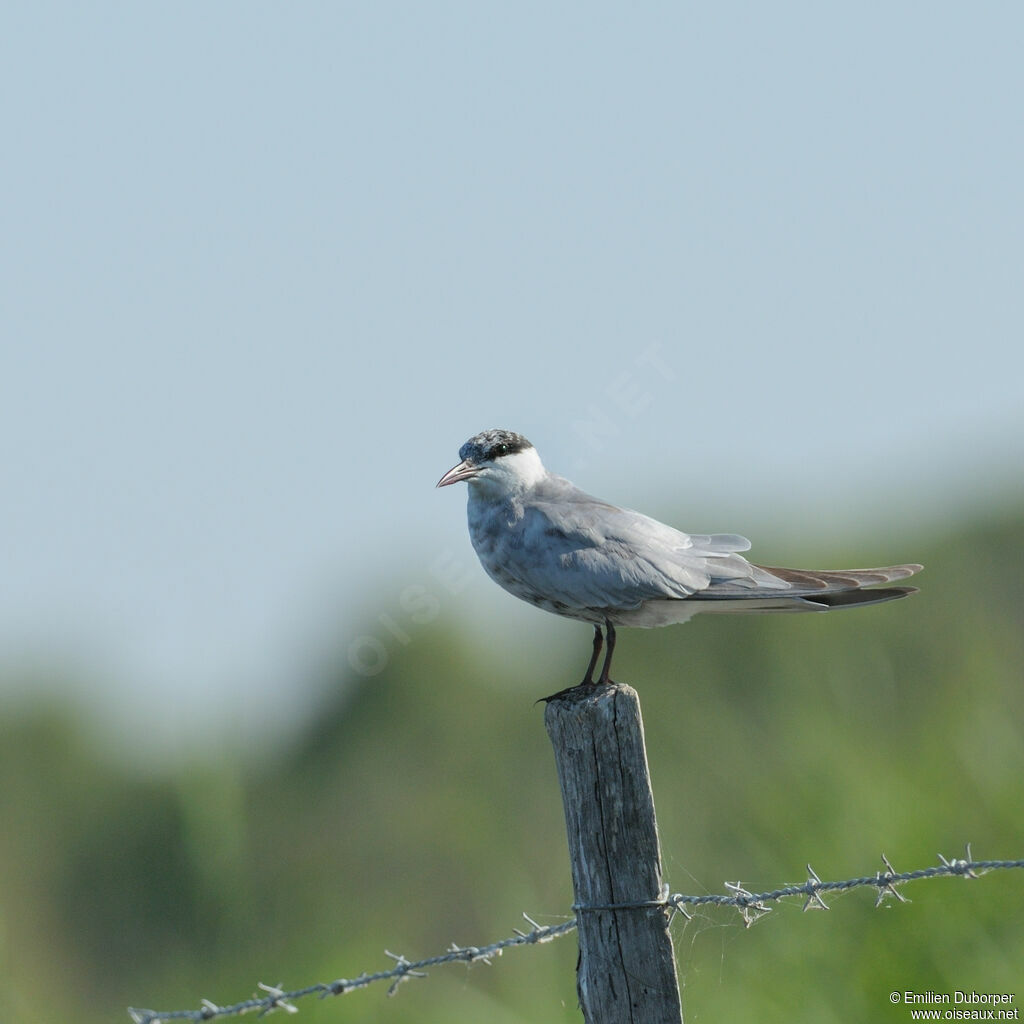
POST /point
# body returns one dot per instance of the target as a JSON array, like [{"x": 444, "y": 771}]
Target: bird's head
[{"x": 499, "y": 459}]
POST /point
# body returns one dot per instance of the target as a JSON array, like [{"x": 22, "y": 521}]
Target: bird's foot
[
  {"x": 588, "y": 686},
  {"x": 562, "y": 694}
]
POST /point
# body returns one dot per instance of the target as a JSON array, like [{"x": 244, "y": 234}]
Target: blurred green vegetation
[{"x": 420, "y": 807}]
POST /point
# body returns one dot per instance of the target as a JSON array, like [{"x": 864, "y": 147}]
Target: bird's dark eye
[{"x": 501, "y": 449}]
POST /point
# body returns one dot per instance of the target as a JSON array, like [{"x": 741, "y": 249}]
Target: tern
[{"x": 560, "y": 549}]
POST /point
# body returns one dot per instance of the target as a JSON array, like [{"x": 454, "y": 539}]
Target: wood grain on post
[{"x": 627, "y": 968}]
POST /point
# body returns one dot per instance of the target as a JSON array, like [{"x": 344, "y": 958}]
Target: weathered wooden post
[{"x": 627, "y": 969}]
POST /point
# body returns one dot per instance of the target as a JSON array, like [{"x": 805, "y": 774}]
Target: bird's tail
[{"x": 807, "y": 590}]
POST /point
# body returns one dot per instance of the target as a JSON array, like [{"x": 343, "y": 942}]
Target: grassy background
[{"x": 420, "y": 807}]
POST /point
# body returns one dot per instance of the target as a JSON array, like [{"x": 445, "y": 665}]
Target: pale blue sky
[{"x": 265, "y": 267}]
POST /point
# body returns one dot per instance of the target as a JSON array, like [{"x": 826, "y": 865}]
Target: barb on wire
[
  {"x": 751, "y": 905},
  {"x": 814, "y": 900}
]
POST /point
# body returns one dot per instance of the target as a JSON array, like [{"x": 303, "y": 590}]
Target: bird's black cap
[{"x": 489, "y": 445}]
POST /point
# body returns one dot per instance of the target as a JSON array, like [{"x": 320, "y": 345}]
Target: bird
[{"x": 556, "y": 547}]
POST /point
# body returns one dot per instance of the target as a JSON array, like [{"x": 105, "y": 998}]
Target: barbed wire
[
  {"x": 751, "y": 905},
  {"x": 278, "y": 999}
]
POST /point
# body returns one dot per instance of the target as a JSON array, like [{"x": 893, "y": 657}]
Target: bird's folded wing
[{"x": 587, "y": 554}]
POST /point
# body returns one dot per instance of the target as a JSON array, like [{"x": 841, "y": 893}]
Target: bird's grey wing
[{"x": 585, "y": 553}]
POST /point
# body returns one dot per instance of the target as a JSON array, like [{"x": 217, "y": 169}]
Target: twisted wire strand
[{"x": 751, "y": 906}]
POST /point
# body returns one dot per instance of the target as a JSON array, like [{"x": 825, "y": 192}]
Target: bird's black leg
[
  {"x": 588, "y": 679},
  {"x": 610, "y": 633}
]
